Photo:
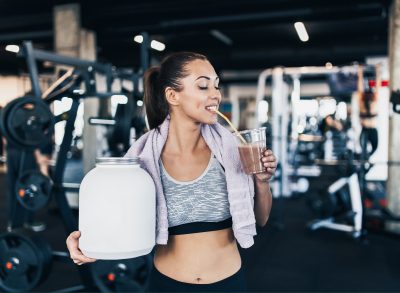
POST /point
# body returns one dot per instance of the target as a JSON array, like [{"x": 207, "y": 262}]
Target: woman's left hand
[{"x": 269, "y": 161}]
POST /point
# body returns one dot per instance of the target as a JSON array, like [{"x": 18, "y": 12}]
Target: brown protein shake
[
  {"x": 250, "y": 156},
  {"x": 251, "y": 149}
]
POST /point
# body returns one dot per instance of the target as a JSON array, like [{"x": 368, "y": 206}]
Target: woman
[
  {"x": 199, "y": 249},
  {"x": 368, "y": 105}
]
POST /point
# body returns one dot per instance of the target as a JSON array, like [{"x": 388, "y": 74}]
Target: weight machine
[
  {"x": 284, "y": 108},
  {"x": 347, "y": 191},
  {"x": 28, "y": 123}
]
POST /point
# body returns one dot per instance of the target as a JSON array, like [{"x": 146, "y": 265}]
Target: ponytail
[{"x": 156, "y": 105}]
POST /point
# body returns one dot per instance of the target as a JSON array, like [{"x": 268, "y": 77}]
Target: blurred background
[{"x": 323, "y": 77}]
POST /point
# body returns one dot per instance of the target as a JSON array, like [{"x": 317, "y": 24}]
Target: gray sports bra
[{"x": 204, "y": 199}]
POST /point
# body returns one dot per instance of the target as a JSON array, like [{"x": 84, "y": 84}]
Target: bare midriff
[
  {"x": 199, "y": 258},
  {"x": 369, "y": 122}
]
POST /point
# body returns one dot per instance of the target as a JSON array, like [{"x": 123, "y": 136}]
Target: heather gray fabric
[{"x": 204, "y": 199}]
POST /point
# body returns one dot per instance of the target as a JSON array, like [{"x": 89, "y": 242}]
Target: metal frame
[
  {"x": 89, "y": 67},
  {"x": 86, "y": 70},
  {"x": 281, "y": 108},
  {"x": 356, "y": 212}
]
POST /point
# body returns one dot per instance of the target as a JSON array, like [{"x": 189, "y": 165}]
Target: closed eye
[{"x": 205, "y": 88}]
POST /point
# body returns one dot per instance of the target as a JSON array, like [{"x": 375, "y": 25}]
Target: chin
[
  {"x": 204, "y": 119},
  {"x": 209, "y": 120}
]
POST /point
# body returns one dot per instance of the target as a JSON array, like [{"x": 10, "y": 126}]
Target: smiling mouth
[{"x": 212, "y": 108}]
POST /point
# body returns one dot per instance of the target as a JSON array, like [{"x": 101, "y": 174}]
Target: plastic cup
[{"x": 251, "y": 151}]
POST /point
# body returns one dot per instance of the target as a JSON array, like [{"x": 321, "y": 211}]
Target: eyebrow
[{"x": 206, "y": 77}]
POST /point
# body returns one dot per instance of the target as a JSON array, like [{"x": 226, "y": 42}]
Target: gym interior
[{"x": 320, "y": 78}]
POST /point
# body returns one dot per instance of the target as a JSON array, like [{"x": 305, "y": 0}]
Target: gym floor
[{"x": 285, "y": 257}]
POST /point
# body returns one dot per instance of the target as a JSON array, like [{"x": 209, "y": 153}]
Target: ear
[{"x": 172, "y": 96}]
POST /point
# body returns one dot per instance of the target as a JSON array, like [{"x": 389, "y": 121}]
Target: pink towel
[{"x": 224, "y": 145}]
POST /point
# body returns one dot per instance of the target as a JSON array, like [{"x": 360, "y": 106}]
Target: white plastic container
[{"x": 117, "y": 210}]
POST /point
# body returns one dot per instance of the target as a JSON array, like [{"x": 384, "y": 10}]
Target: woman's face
[{"x": 200, "y": 94}]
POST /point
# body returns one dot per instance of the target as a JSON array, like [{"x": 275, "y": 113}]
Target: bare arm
[
  {"x": 262, "y": 202},
  {"x": 360, "y": 86},
  {"x": 263, "y": 195}
]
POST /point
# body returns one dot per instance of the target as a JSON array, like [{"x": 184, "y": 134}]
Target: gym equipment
[
  {"x": 84, "y": 74},
  {"x": 27, "y": 122},
  {"x": 33, "y": 190},
  {"x": 340, "y": 208},
  {"x": 308, "y": 149},
  {"x": 285, "y": 92},
  {"x": 25, "y": 262},
  {"x": 352, "y": 204},
  {"x": 85, "y": 67},
  {"x": 126, "y": 117},
  {"x": 395, "y": 100},
  {"x": 33, "y": 114},
  {"x": 284, "y": 115},
  {"x": 130, "y": 275},
  {"x": 123, "y": 119},
  {"x": 375, "y": 206},
  {"x": 280, "y": 115}
]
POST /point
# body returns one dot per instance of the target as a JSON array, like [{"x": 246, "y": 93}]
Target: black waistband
[
  {"x": 367, "y": 115},
  {"x": 197, "y": 227}
]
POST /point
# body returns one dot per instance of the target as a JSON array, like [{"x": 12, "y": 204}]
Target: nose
[{"x": 216, "y": 95}]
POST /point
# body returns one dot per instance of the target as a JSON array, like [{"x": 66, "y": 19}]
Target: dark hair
[{"x": 157, "y": 79}]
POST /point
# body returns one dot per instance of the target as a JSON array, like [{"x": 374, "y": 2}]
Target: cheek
[
  {"x": 193, "y": 103},
  {"x": 199, "y": 105}
]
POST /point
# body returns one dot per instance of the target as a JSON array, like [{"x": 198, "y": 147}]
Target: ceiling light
[
  {"x": 222, "y": 37},
  {"x": 301, "y": 31},
  {"x": 12, "y": 48},
  {"x": 138, "y": 39},
  {"x": 156, "y": 45}
]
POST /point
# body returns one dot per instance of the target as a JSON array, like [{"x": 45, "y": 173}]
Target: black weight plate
[
  {"x": 24, "y": 262},
  {"x": 45, "y": 256},
  {"x": 33, "y": 190},
  {"x": 128, "y": 275},
  {"x": 29, "y": 122},
  {"x": 4, "y": 114}
]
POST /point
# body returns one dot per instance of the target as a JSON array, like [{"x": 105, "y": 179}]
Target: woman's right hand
[{"x": 74, "y": 251}]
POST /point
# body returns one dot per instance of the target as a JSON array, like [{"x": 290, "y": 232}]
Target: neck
[{"x": 184, "y": 136}]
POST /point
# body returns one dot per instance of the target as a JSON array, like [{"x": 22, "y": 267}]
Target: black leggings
[
  {"x": 159, "y": 282},
  {"x": 368, "y": 135}
]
